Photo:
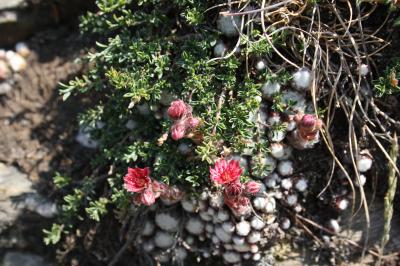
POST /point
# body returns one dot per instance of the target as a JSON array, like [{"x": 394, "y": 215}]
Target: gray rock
[
  {"x": 41, "y": 206},
  {"x": 19, "y": 19},
  {"x": 14, "y": 258},
  {"x": 5, "y": 87},
  {"x": 17, "y": 195},
  {"x": 7, "y": 17},
  {"x": 12, "y": 4},
  {"x": 13, "y": 182}
]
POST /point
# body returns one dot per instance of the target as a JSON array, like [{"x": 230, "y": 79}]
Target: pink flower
[
  {"x": 177, "y": 109},
  {"x": 137, "y": 179},
  {"x": 225, "y": 172},
  {"x": 178, "y": 131},
  {"x": 147, "y": 197},
  {"x": 234, "y": 189},
  {"x": 252, "y": 187}
]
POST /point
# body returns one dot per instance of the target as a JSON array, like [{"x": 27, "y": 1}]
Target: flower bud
[
  {"x": 308, "y": 120},
  {"x": 178, "y": 131},
  {"x": 158, "y": 188},
  {"x": 252, "y": 187},
  {"x": 240, "y": 206},
  {"x": 309, "y": 127},
  {"x": 177, "y": 109},
  {"x": 147, "y": 197},
  {"x": 233, "y": 189}
]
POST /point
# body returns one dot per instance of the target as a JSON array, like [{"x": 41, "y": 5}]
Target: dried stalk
[{"x": 389, "y": 197}]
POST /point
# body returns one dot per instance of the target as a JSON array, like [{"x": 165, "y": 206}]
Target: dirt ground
[{"x": 37, "y": 128}]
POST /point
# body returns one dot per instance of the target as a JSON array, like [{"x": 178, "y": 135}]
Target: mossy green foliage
[
  {"x": 154, "y": 48},
  {"x": 388, "y": 83}
]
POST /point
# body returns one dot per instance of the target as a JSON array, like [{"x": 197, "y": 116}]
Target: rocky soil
[{"x": 38, "y": 129}]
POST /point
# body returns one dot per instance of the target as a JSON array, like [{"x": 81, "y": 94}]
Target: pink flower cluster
[
  {"x": 137, "y": 180},
  {"x": 181, "y": 113},
  {"x": 236, "y": 194}
]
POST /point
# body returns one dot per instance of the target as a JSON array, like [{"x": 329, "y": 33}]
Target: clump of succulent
[
  {"x": 221, "y": 222},
  {"x": 212, "y": 107}
]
